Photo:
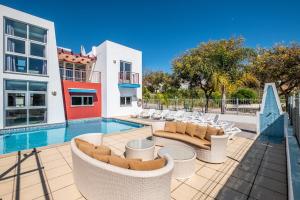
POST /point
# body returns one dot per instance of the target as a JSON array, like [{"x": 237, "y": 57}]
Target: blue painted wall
[{"x": 271, "y": 121}]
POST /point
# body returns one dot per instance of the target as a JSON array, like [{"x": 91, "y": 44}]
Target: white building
[
  {"x": 30, "y": 91},
  {"x": 121, "y": 78}
]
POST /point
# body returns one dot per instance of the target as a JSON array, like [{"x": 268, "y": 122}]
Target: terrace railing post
[{"x": 237, "y": 106}]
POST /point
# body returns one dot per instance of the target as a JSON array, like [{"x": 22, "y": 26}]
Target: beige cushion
[
  {"x": 211, "y": 131},
  {"x": 79, "y": 142},
  {"x": 102, "y": 149},
  {"x": 180, "y": 127},
  {"x": 101, "y": 157},
  {"x": 85, "y": 147},
  {"x": 200, "y": 131},
  {"x": 170, "y": 127},
  {"x": 221, "y": 132},
  {"x": 118, "y": 161},
  {"x": 204, "y": 144},
  {"x": 190, "y": 129},
  {"x": 147, "y": 165}
]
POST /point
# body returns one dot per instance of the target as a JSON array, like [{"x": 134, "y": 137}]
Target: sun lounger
[
  {"x": 148, "y": 113},
  {"x": 174, "y": 115}
]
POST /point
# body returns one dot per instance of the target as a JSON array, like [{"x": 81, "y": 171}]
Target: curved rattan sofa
[
  {"x": 212, "y": 152},
  {"x": 99, "y": 180}
]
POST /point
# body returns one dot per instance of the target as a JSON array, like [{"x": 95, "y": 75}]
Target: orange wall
[{"x": 80, "y": 112}]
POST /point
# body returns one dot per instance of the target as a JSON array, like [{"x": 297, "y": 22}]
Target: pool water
[{"x": 31, "y": 139}]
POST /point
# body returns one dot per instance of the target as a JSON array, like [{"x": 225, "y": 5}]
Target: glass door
[{"x": 125, "y": 72}]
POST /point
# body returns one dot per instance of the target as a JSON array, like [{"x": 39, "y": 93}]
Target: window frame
[
  {"x": 27, "y": 54},
  {"x": 126, "y": 104},
  {"x": 123, "y": 65},
  {"x": 27, "y": 106},
  {"x": 82, "y": 100}
]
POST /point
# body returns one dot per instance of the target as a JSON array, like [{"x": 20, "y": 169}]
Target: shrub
[{"x": 244, "y": 93}]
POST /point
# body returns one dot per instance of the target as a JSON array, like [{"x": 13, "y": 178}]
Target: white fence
[{"x": 232, "y": 106}]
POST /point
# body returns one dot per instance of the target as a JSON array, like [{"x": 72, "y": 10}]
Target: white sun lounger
[
  {"x": 148, "y": 114},
  {"x": 173, "y": 116},
  {"x": 160, "y": 115}
]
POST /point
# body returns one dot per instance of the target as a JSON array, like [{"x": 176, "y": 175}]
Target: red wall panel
[{"x": 80, "y": 112}]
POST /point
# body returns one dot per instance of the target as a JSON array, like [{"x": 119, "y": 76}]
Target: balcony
[
  {"x": 80, "y": 75},
  {"x": 129, "y": 80}
]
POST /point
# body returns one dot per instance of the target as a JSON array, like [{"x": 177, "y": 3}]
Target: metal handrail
[
  {"x": 80, "y": 75},
  {"x": 129, "y": 77}
]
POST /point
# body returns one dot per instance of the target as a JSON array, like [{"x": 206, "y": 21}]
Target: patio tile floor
[{"x": 254, "y": 169}]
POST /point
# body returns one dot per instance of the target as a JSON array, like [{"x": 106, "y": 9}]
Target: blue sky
[{"x": 163, "y": 29}]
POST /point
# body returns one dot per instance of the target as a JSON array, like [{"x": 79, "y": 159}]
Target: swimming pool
[{"x": 30, "y": 139}]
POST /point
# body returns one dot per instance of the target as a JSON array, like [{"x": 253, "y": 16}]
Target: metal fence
[
  {"x": 232, "y": 106},
  {"x": 294, "y": 114}
]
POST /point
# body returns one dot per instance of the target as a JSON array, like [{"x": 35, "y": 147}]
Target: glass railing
[
  {"x": 80, "y": 75},
  {"x": 128, "y": 77}
]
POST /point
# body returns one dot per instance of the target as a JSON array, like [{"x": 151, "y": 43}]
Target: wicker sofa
[
  {"x": 213, "y": 151},
  {"x": 99, "y": 180}
]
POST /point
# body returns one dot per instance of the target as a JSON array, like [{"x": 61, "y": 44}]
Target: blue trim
[
  {"x": 128, "y": 85},
  {"x": 78, "y": 90}
]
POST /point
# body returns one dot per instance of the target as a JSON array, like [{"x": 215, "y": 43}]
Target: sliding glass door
[{"x": 25, "y": 103}]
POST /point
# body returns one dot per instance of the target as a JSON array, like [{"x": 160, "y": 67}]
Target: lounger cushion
[
  {"x": 200, "y": 131},
  {"x": 101, "y": 157},
  {"x": 102, "y": 149},
  {"x": 180, "y": 127},
  {"x": 211, "y": 131},
  {"x": 190, "y": 129},
  {"x": 147, "y": 165},
  {"x": 170, "y": 127},
  {"x": 204, "y": 144}
]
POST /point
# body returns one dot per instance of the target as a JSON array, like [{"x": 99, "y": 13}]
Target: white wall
[
  {"x": 113, "y": 53},
  {"x": 55, "y": 103}
]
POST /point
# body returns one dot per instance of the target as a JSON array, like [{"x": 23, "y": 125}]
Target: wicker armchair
[{"x": 99, "y": 180}]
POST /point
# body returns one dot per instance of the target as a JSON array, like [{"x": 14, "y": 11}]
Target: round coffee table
[
  {"x": 184, "y": 160},
  {"x": 141, "y": 148}
]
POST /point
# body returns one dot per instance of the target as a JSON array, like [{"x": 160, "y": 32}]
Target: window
[
  {"x": 37, "y": 100},
  {"x": 16, "y": 117},
  {"x": 82, "y": 101},
  {"x": 15, "y": 63},
  {"x": 25, "y": 102},
  {"x": 37, "y": 34},
  {"x": 37, "y": 116},
  {"x": 37, "y": 50},
  {"x": 15, "y": 46},
  {"x": 25, "y": 50},
  {"x": 37, "y": 66},
  {"x": 37, "y": 86},
  {"x": 125, "y": 101},
  {"x": 15, "y": 85},
  {"x": 15, "y": 28},
  {"x": 125, "y": 66},
  {"x": 16, "y": 100}
]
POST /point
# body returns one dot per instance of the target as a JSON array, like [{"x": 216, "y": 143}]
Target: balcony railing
[
  {"x": 128, "y": 78},
  {"x": 80, "y": 75}
]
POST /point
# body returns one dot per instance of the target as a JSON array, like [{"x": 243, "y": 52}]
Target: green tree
[
  {"x": 213, "y": 66},
  {"x": 280, "y": 64},
  {"x": 159, "y": 82}
]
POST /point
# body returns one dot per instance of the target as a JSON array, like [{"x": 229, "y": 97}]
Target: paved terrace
[{"x": 254, "y": 169}]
